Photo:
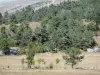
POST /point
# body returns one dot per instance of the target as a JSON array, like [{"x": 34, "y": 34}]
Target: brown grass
[
  {"x": 15, "y": 66},
  {"x": 34, "y": 25}
]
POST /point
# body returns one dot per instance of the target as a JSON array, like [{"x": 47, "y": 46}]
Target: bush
[
  {"x": 40, "y": 61},
  {"x": 22, "y": 50},
  {"x": 51, "y": 66},
  {"x": 57, "y": 61},
  {"x": 39, "y": 48}
]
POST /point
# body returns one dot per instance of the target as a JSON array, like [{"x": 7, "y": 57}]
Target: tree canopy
[{"x": 61, "y": 26}]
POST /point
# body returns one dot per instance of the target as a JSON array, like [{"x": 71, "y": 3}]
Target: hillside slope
[{"x": 19, "y": 4}]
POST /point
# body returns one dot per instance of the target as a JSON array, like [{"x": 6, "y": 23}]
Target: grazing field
[{"x": 90, "y": 61}]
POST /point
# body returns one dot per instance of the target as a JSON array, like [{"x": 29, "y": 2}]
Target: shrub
[
  {"x": 40, "y": 61},
  {"x": 51, "y": 66},
  {"x": 22, "y": 50},
  {"x": 57, "y": 61},
  {"x": 40, "y": 48}
]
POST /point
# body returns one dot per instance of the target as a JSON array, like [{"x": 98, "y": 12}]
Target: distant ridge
[{"x": 19, "y": 4}]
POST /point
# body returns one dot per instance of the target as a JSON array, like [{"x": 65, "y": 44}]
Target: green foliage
[
  {"x": 4, "y": 40},
  {"x": 30, "y": 54},
  {"x": 13, "y": 27},
  {"x": 40, "y": 61},
  {"x": 22, "y": 50},
  {"x": 12, "y": 18},
  {"x": 26, "y": 14},
  {"x": 61, "y": 26},
  {"x": 73, "y": 56},
  {"x": 93, "y": 27},
  {"x": 1, "y": 18},
  {"x": 91, "y": 10},
  {"x": 57, "y": 61},
  {"x": 6, "y": 18},
  {"x": 41, "y": 34},
  {"x": 4, "y": 44},
  {"x": 32, "y": 49},
  {"x": 68, "y": 33},
  {"x": 40, "y": 49},
  {"x": 3, "y": 32},
  {"x": 23, "y": 35},
  {"x": 83, "y": 9}
]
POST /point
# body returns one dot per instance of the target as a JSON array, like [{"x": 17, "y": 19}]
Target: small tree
[
  {"x": 73, "y": 56},
  {"x": 30, "y": 54},
  {"x": 32, "y": 49},
  {"x": 4, "y": 45}
]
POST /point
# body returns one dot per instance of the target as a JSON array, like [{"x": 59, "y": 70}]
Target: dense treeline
[{"x": 61, "y": 27}]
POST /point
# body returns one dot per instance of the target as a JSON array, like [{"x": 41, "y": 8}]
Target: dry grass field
[
  {"x": 91, "y": 60},
  {"x": 49, "y": 72}
]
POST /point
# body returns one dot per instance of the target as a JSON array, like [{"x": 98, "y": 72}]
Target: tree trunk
[
  {"x": 29, "y": 66},
  {"x": 72, "y": 66}
]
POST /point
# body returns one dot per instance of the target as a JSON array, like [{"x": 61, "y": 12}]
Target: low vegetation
[
  {"x": 51, "y": 66},
  {"x": 57, "y": 61}
]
